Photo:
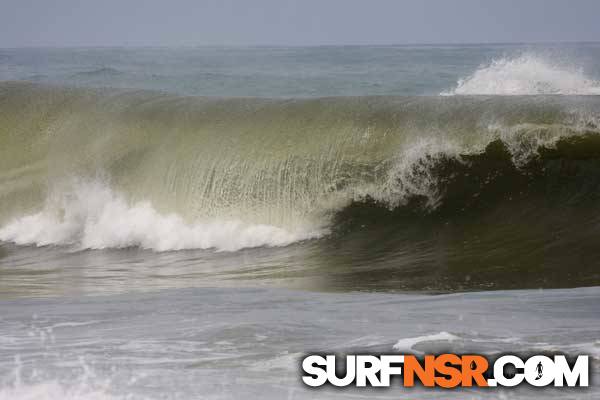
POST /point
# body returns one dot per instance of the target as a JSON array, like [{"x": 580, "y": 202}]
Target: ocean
[{"x": 181, "y": 223}]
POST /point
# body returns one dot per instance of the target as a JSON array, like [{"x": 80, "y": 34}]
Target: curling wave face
[
  {"x": 117, "y": 169},
  {"x": 401, "y": 185}
]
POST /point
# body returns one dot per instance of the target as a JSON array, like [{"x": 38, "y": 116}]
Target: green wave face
[
  {"x": 473, "y": 180},
  {"x": 271, "y": 161}
]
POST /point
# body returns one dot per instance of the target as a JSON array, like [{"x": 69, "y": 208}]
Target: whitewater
[{"x": 526, "y": 75}]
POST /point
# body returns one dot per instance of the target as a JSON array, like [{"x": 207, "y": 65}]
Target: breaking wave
[
  {"x": 526, "y": 75},
  {"x": 113, "y": 169},
  {"x": 90, "y": 215}
]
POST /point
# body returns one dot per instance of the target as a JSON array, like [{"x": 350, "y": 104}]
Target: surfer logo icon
[{"x": 539, "y": 370}]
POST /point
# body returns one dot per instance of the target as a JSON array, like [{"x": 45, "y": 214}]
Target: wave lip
[{"x": 525, "y": 75}]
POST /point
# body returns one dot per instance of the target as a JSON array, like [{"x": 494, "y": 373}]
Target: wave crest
[
  {"x": 526, "y": 75},
  {"x": 90, "y": 215}
]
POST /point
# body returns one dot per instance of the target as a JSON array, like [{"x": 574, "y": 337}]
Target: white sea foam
[
  {"x": 92, "y": 216},
  {"x": 413, "y": 174},
  {"x": 53, "y": 390},
  {"x": 408, "y": 344},
  {"x": 526, "y": 75},
  {"x": 84, "y": 386}
]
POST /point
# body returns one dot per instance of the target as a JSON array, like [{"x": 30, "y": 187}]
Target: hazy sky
[{"x": 293, "y": 22}]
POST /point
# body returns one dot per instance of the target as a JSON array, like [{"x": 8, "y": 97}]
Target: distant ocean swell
[{"x": 112, "y": 169}]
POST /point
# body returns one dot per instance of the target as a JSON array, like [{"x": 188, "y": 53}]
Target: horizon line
[{"x": 423, "y": 44}]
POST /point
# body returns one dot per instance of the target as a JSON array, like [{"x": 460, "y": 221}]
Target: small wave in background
[{"x": 527, "y": 74}]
